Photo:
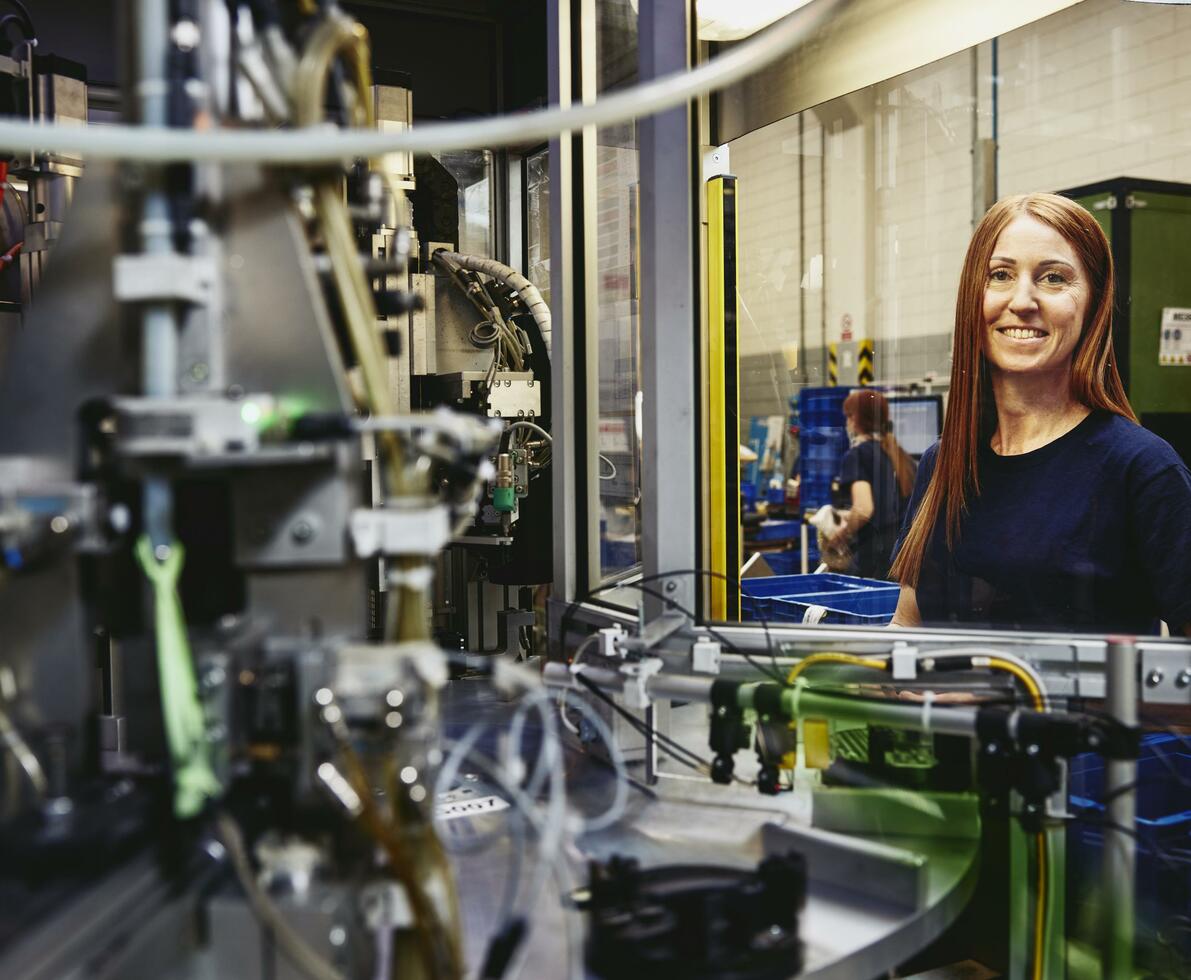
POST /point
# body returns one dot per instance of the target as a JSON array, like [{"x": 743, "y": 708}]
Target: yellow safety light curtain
[{"x": 723, "y": 416}]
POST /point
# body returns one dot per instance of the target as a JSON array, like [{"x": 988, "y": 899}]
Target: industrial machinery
[
  {"x": 248, "y": 419},
  {"x": 270, "y": 441}
]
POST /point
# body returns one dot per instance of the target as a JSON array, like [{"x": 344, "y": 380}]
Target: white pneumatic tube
[
  {"x": 510, "y": 276},
  {"x": 326, "y": 144}
]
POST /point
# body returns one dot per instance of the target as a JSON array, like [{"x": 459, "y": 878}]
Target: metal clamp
[
  {"x": 636, "y": 680},
  {"x": 167, "y": 277}
]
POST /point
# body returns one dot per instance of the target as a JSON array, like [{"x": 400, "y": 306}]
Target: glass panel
[
  {"x": 617, "y": 175},
  {"x": 855, "y": 217},
  {"x": 473, "y": 171},
  {"x": 537, "y": 221}
]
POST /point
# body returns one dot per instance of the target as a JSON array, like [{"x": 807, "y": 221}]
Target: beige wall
[{"x": 1099, "y": 90}]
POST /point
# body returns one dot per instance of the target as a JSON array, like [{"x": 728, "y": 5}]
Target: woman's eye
[
  {"x": 999, "y": 275},
  {"x": 1054, "y": 279}
]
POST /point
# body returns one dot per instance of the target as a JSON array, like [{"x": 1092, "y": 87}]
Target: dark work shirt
[
  {"x": 868, "y": 462},
  {"x": 1089, "y": 533}
]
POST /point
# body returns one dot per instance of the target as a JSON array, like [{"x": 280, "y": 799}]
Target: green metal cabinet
[{"x": 1148, "y": 223}]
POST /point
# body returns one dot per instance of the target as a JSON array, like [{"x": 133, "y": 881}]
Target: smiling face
[{"x": 1035, "y": 300}]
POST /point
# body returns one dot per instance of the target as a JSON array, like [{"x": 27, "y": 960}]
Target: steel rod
[{"x": 1119, "y": 844}]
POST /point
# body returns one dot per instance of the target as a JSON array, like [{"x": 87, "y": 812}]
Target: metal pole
[
  {"x": 669, "y": 499},
  {"x": 160, "y": 322},
  {"x": 1119, "y": 845},
  {"x": 797, "y": 702}
]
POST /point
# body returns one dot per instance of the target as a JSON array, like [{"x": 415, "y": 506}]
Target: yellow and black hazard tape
[
  {"x": 832, "y": 366},
  {"x": 865, "y": 372}
]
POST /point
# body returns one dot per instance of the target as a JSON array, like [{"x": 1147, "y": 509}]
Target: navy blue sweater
[{"x": 1089, "y": 533}]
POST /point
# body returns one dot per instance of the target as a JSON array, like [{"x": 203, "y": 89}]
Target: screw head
[
  {"x": 1184, "y": 678},
  {"x": 1031, "y": 750},
  {"x": 1154, "y": 677},
  {"x": 301, "y": 531},
  {"x": 671, "y": 586},
  {"x": 199, "y": 371}
]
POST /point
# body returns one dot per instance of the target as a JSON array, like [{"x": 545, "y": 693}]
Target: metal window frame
[{"x": 669, "y": 307}]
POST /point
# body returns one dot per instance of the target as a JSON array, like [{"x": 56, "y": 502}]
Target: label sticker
[
  {"x": 470, "y": 808},
  {"x": 1174, "y": 349}
]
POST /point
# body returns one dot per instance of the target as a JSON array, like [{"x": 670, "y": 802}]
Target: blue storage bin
[
  {"x": 1161, "y": 800},
  {"x": 821, "y": 407},
  {"x": 784, "y": 562},
  {"x": 867, "y": 607},
  {"x": 760, "y": 597},
  {"x": 748, "y": 494},
  {"x": 1163, "y": 829},
  {"x": 776, "y": 530}
]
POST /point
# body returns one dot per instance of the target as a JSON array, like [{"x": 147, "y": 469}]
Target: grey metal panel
[
  {"x": 669, "y": 473},
  {"x": 71, "y": 339},
  {"x": 278, "y": 334},
  {"x": 423, "y": 339}
]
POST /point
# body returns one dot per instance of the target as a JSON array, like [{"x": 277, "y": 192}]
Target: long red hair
[
  {"x": 869, "y": 411},
  {"x": 971, "y": 411}
]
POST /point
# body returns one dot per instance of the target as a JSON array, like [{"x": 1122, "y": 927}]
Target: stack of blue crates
[
  {"x": 846, "y": 599},
  {"x": 1163, "y": 835},
  {"x": 823, "y": 440}
]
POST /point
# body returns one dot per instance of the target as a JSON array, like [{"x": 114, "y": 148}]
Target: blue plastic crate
[
  {"x": 784, "y": 562},
  {"x": 760, "y": 596},
  {"x": 867, "y": 607},
  {"x": 821, "y": 406},
  {"x": 1163, "y": 828},
  {"x": 1161, "y": 800},
  {"x": 748, "y": 494},
  {"x": 776, "y": 530}
]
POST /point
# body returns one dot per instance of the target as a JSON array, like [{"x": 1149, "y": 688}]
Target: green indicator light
[{"x": 250, "y": 412}]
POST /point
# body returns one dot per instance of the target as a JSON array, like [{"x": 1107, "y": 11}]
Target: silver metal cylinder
[
  {"x": 1117, "y": 887},
  {"x": 159, "y": 338}
]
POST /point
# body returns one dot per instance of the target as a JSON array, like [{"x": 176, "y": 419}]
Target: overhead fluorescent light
[{"x": 730, "y": 20}]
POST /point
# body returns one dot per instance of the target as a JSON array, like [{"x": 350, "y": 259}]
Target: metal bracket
[
  {"x": 705, "y": 656},
  {"x": 1165, "y": 676},
  {"x": 187, "y": 426},
  {"x": 636, "y": 677},
  {"x": 418, "y": 530},
  {"x": 150, "y": 278}
]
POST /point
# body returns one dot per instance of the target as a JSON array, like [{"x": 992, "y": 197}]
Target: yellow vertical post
[{"x": 723, "y": 416}]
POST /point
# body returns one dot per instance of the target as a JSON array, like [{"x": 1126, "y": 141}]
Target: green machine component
[{"x": 1148, "y": 223}]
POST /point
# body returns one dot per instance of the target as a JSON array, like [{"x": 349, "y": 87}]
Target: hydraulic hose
[
  {"x": 327, "y": 144},
  {"x": 512, "y": 278}
]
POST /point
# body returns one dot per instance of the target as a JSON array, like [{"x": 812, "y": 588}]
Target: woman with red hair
[
  {"x": 1044, "y": 505},
  {"x": 876, "y": 477}
]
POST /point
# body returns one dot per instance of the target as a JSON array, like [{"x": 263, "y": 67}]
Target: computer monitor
[{"x": 917, "y": 421}]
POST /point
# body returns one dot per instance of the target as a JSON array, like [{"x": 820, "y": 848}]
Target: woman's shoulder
[{"x": 1132, "y": 446}]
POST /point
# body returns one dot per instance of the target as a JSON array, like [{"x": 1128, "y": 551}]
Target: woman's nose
[{"x": 1023, "y": 298}]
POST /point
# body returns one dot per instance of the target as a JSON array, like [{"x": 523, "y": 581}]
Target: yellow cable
[
  {"x": 819, "y": 759},
  {"x": 1036, "y": 697},
  {"x": 1027, "y": 681},
  {"x": 1040, "y": 908},
  {"x": 833, "y": 658}
]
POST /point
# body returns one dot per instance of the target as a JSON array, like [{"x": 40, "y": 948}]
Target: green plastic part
[
  {"x": 504, "y": 499},
  {"x": 185, "y": 726}
]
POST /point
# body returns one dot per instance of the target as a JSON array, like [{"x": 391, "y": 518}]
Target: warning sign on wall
[{"x": 1174, "y": 349}]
